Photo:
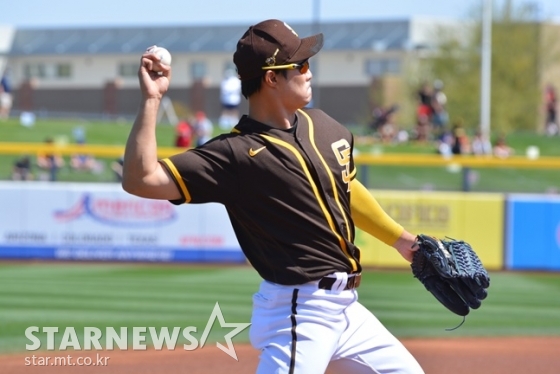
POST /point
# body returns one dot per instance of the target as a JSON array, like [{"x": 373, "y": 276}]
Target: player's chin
[{"x": 305, "y": 103}]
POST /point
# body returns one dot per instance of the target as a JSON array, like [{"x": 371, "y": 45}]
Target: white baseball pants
[{"x": 305, "y": 330}]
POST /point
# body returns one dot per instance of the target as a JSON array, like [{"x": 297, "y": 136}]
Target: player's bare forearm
[
  {"x": 406, "y": 245},
  {"x": 140, "y": 157},
  {"x": 142, "y": 173}
]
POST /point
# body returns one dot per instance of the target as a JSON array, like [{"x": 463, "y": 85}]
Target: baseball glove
[{"x": 452, "y": 272}]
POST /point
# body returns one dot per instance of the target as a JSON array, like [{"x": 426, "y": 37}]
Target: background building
[{"x": 92, "y": 71}]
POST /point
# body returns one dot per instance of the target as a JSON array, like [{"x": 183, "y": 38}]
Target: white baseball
[{"x": 162, "y": 53}]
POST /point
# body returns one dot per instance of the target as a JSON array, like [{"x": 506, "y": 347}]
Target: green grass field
[
  {"x": 128, "y": 295},
  {"x": 380, "y": 177}
]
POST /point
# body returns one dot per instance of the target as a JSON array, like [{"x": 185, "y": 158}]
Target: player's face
[{"x": 296, "y": 88}]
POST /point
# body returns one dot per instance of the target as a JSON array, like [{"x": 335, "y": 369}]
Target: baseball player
[{"x": 287, "y": 179}]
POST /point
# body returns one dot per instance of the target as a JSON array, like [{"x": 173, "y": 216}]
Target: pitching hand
[{"x": 153, "y": 84}]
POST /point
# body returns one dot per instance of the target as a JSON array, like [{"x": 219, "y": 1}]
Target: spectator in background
[
  {"x": 85, "y": 162},
  {"x": 6, "y": 99},
  {"x": 230, "y": 98},
  {"x": 425, "y": 97},
  {"x": 501, "y": 149},
  {"x": 50, "y": 162},
  {"x": 423, "y": 126},
  {"x": 203, "y": 128},
  {"x": 445, "y": 142},
  {"x": 440, "y": 118},
  {"x": 424, "y": 113},
  {"x": 81, "y": 161},
  {"x": 461, "y": 142},
  {"x": 117, "y": 167},
  {"x": 382, "y": 116},
  {"x": 79, "y": 134},
  {"x": 481, "y": 144},
  {"x": 551, "y": 102},
  {"x": 183, "y": 134},
  {"x": 388, "y": 131},
  {"x": 22, "y": 169}
]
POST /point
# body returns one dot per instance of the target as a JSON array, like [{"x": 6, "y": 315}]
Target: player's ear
[{"x": 270, "y": 78}]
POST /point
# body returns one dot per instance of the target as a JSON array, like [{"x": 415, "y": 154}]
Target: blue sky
[{"x": 70, "y": 13}]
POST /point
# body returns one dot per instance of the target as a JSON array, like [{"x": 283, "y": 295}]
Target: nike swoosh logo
[{"x": 253, "y": 152}]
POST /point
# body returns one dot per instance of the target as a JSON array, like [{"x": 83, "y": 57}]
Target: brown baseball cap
[{"x": 272, "y": 43}]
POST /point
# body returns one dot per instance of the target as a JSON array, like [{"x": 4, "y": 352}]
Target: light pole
[
  {"x": 316, "y": 30},
  {"x": 486, "y": 68}
]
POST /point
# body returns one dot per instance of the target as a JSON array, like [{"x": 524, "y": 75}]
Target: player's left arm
[{"x": 369, "y": 216}]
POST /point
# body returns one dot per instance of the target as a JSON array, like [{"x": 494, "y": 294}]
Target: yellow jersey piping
[
  {"x": 178, "y": 179},
  {"x": 335, "y": 190},
  {"x": 317, "y": 196}
]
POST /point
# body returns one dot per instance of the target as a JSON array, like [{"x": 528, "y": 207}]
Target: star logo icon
[{"x": 217, "y": 313}]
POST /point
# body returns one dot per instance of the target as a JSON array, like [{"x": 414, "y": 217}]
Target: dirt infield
[{"x": 437, "y": 356}]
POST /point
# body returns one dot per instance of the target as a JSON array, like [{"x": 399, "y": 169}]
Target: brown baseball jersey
[{"x": 287, "y": 193}]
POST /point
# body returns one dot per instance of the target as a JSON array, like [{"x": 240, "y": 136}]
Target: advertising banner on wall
[
  {"x": 102, "y": 222},
  {"x": 476, "y": 218},
  {"x": 533, "y": 232}
]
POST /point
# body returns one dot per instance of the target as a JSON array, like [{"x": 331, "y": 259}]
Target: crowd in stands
[
  {"x": 46, "y": 165},
  {"x": 49, "y": 163},
  {"x": 433, "y": 126},
  {"x": 189, "y": 132}
]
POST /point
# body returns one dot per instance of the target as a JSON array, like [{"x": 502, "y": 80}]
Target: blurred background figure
[
  {"x": 49, "y": 162},
  {"x": 22, "y": 169},
  {"x": 423, "y": 127},
  {"x": 425, "y": 98},
  {"x": 388, "y": 129},
  {"x": 501, "y": 149},
  {"x": 6, "y": 98},
  {"x": 230, "y": 98},
  {"x": 445, "y": 142},
  {"x": 461, "y": 142},
  {"x": 82, "y": 161},
  {"x": 79, "y": 134},
  {"x": 481, "y": 144},
  {"x": 85, "y": 162},
  {"x": 183, "y": 134},
  {"x": 424, "y": 113},
  {"x": 440, "y": 117},
  {"x": 383, "y": 122},
  {"x": 551, "y": 123},
  {"x": 117, "y": 167},
  {"x": 203, "y": 128}
]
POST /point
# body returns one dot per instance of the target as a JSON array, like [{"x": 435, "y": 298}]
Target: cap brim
[{"x": 308, "y": 48}]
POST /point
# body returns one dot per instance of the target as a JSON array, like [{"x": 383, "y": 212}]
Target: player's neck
[{"x": 271, "y": 113}]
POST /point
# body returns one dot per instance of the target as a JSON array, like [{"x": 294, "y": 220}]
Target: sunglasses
[{"x": 303, "y": 67}]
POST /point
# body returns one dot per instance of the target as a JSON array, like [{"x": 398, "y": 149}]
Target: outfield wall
[
  {"x": 476, "y": 218},
  {"x": 93, "y": 221},
  {"x": 84, "y": 221},
  {"x": 533, "y": 232}
]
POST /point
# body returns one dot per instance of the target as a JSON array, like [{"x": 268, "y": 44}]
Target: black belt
[{"x": 354, "y": 281}]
